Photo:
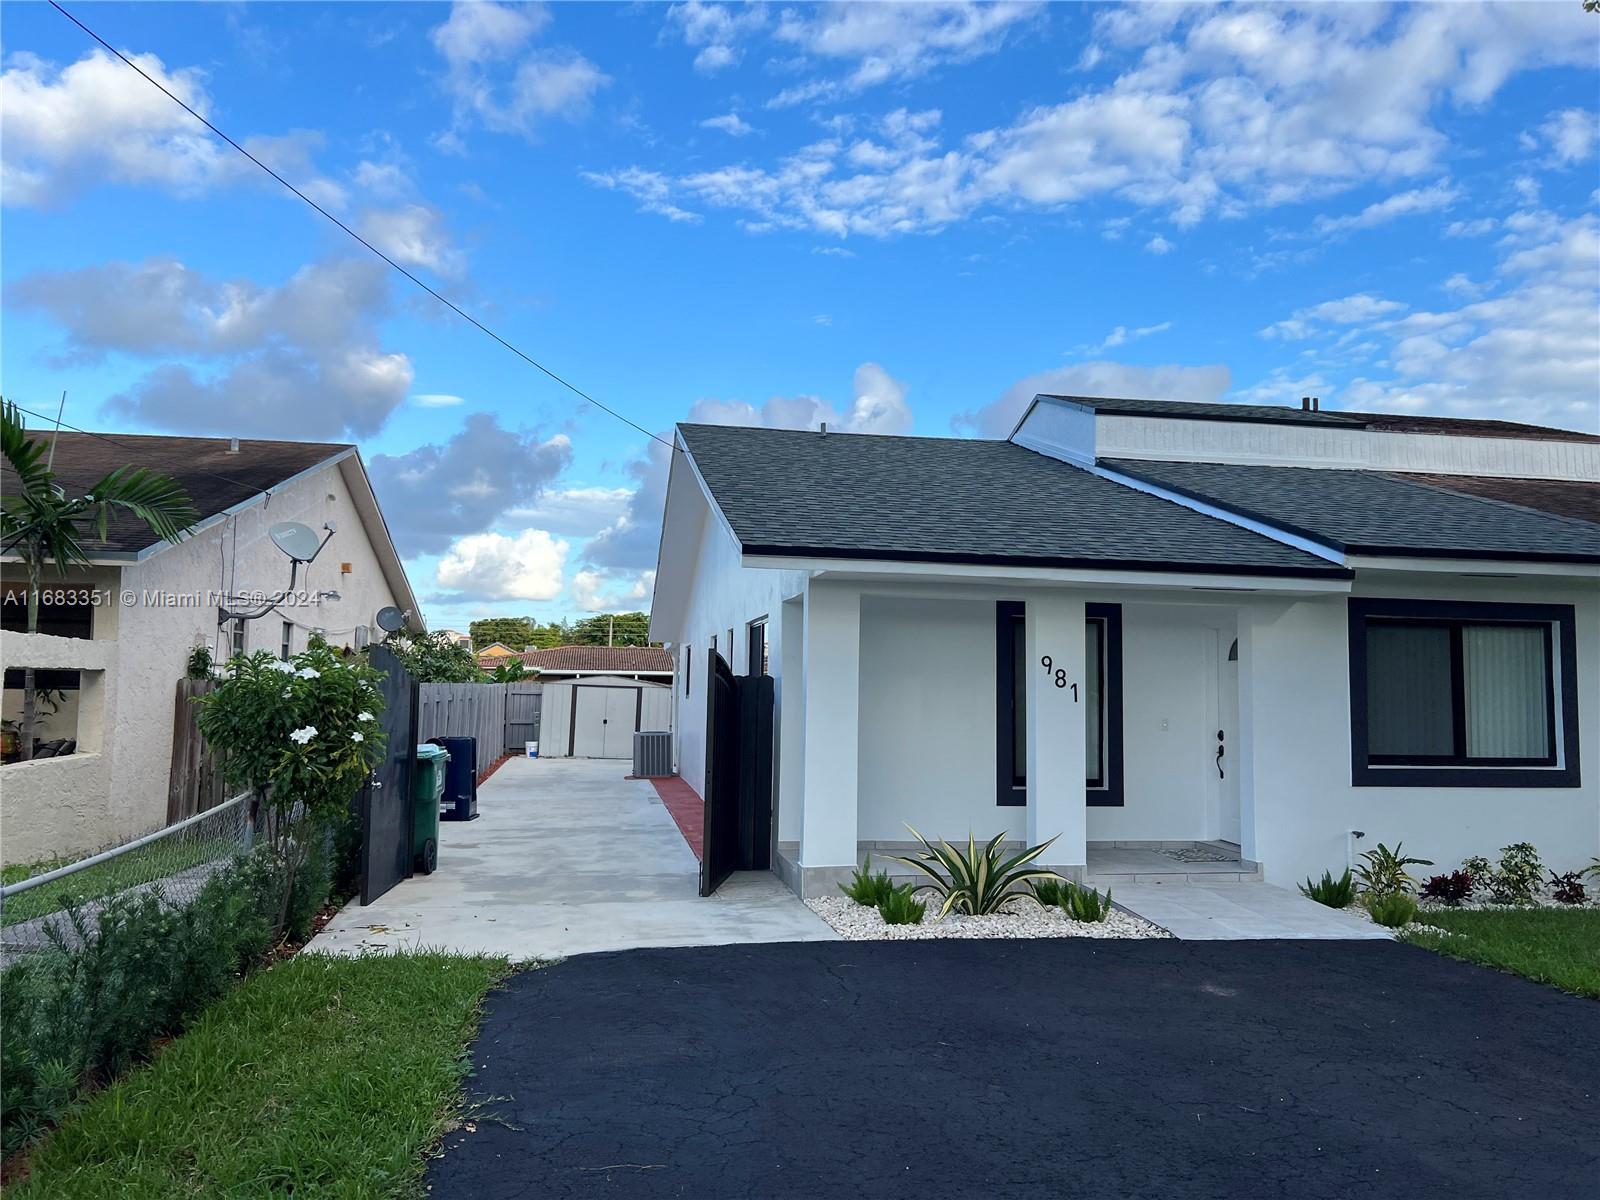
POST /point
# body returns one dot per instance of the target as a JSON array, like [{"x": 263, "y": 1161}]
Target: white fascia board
[
  {"x": 376, "y": 527},
  {"x": 1498, "y": 568},
  {"x": 850, "y": 568},
  {"x": 1310, "y": 546},
  {"x": 1072, "y": 438}
]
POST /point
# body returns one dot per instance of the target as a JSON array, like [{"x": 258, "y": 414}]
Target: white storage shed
[{"x": 596, "y": 716}]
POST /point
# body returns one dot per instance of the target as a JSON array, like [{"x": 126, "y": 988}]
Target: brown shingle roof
[
  {"x": 1575, "y": 498},
  {"x": 622, "y": 660},
  {"x": 215, "y": 479}
]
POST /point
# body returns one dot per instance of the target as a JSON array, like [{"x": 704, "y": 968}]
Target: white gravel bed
[{"x": 1024, "y": 919}]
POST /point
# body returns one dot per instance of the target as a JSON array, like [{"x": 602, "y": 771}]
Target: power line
[{"x": 444, "y": 300}]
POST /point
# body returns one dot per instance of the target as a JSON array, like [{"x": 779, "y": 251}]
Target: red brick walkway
[{"x": 687, "y": 809}]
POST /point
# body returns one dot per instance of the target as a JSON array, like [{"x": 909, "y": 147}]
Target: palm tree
[{"x": 41, "y": 524}]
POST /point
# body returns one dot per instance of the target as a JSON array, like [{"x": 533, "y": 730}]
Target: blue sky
[{"x": 897, "y": 218}]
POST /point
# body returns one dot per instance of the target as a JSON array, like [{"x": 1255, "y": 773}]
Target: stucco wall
[
  {"x": 152, "y": 641},
  {"x": 1299, "y": 711}
]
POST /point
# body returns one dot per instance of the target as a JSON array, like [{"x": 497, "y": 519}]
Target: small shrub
[
  {"x": 1383, "y": 871},
  {"x": 1048, "y": 891},
  {"x": 1393, "y": 909},
  {"x": 1449, "y": 889},
  {"x": 1084, "y": 903},
  {"x": 1335, "y": 893},
  {"x": 199, "y": 663},
  {"x": 1514, "y": 879},
  {"x": 868, "y": 889},
  {"x": 1568, "y": 888},
  {"x": 979, "y": 882},
  {"x": 901, "y": 907}
]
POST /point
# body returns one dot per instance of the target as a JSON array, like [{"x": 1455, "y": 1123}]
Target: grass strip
[
  {"x": 1560, "y": 947},
  {"x": 159, "y": 860},
  {"x": 319, "y": 1077}
]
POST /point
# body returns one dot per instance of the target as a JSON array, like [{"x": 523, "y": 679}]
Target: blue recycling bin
[{"x": 460, "y": 799}]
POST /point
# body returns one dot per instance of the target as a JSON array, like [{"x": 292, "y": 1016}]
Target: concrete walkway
[
  {"x": 1239, "y": 912},
  {"x": 568, "y": 857}
]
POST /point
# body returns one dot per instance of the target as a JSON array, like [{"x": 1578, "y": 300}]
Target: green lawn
[
  {"x": 155, "y": 861},
  {"x": 319, "y": 1077},
  {"x": 1560, "y": 947}
]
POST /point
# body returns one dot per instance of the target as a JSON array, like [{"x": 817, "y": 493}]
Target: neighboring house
[
  {"x": 494, "y": 652},
  {"x": 114, "y": 640},
  {"x": 1138, "y": 621},
  {"x": 574, "y": 662},
  {"x": 455, "y": 637}
]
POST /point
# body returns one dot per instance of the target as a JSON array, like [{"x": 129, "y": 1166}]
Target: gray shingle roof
[
  {"x": 1369, "y": 512},
  {"x": 798, "y": 493},
  {"x": 1276, "y": 414}
]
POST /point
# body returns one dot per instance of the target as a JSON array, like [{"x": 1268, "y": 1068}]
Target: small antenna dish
[
  {"x": 299, "y": 542},
  {"x": 390, "y": 619}
]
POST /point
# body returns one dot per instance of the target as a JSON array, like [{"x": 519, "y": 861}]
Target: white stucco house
[
  {"x": 115, "y": 640},
  {"x": 1146, "y": 622}
]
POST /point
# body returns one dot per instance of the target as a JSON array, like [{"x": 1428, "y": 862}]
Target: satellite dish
[
  {"x": 390, "y": 619},
  {"x": 299, "y": 542}
]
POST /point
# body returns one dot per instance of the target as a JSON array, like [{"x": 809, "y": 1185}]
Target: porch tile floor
[
  {"x": 1125, "y": 865},
  {"x": 1227, "y": 912}
]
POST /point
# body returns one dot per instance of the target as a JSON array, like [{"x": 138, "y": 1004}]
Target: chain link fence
[{"x": 176, "y": 860}]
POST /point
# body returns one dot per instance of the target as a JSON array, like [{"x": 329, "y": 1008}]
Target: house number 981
[{"x": 1059, "y": 675}]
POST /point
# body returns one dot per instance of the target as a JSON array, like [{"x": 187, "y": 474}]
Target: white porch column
[
  {"x": 791, "y": 692},
  {"x": 832, "y": 704},
  {"x": 1055, "y": 630}
]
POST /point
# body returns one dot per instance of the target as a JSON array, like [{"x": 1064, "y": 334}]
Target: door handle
[{"x": 1220, "y": 748}]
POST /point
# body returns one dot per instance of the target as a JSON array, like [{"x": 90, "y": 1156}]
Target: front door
[
  {"x": 622, "y": 712},
  {"x": 1226, "y": 749}
]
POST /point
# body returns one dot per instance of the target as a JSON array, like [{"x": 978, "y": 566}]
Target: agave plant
[
  {"x": 900, "y": 907},
  {"x": 866, "y": 887},
  {"x": 1084, "y": 903},
  {"x": 982, "y": 880},
  {"x": 1335, "y": 893}
]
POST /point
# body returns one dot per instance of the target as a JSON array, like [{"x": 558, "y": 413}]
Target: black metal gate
[
  {"x": 386, "y": 800},
  {"x": 738, "y": 779}
]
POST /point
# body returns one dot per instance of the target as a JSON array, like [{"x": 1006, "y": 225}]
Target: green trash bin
[{"x": 426, "y": 792}]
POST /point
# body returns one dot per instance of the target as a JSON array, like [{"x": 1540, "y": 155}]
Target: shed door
[{"x": 603, "y": 721}]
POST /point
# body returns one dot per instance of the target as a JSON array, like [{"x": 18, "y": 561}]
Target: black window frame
[
  {"x": 1560, "y": 769},
  {"x": 688, "y": 668},
  {"x": 1011, "y": 788}
]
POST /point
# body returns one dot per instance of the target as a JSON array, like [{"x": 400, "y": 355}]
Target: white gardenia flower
[
  {"x": 365, "y": 716},
  {"x": 278, "y": 664},
  {"x": 356, "y": 737},
  {"x": 304, "y": 734},
  {"x": 309, "y": 673}
]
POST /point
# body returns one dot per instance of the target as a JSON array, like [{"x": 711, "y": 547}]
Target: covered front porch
[{"x": 1112, "y": 719}]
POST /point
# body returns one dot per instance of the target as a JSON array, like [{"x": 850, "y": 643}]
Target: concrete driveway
[{"x": 568, "y": 857}]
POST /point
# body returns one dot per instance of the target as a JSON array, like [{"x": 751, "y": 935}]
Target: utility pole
[{"x": 611, "y": 628}]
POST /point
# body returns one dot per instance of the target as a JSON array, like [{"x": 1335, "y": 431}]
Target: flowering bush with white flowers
[{"x": 299, "y": 732}]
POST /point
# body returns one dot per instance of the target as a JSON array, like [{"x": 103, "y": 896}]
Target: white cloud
[
  {"x": 299, "y": 359},
  {"x": 95, "y": 121},
  {"x": 494, "y": 566},
  {"x": 1360, "y": 308},
  {"x": 1401, "y": 204},
  {"x": 1099, "y": 378},
  {"x": 1570, "y": 136},
  {"x": 495, "y": 77},
  {"x": 414, "y": 236},
  {"x": 574, "y": 511},
  {"x": 463, "y": 485},
  {"x": 1477, "y": 227},
  {"x": 717, "y": 30},
  {"x": 878, "y": 406},
  {"x": 436, "y": 400},
  {"x": 610, "y": 591},
  {"x": 1122, "y": 335},
  {"x": 881, "y": 43},
  {"x": 730, "y": 123},
  {"x": 649, "y": 188},
  {"x": 1158, "y": 245},
  {"x": 1523, "y": 347},
  {"x": 1216, "y": 111}
]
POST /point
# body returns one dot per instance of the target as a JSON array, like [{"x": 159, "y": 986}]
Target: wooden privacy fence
[
  {"x": 195, "y": 783},
  {"x": 499, "y": 715}
]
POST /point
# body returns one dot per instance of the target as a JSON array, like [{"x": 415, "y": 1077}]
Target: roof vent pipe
[
  {"x": 1316, "y": 404},
  {"x": 1305, "y": 403},
  {"x": 824, "y": 427}
]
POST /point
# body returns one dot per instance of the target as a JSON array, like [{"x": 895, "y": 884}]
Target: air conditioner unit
[{"x": 652, "y": 754}]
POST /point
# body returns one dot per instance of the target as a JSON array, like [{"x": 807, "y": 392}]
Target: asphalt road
[{"x": 1051, "y": 1068}]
